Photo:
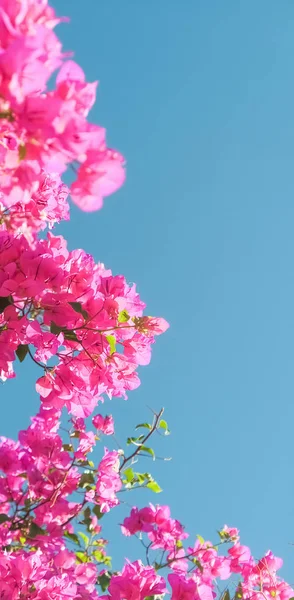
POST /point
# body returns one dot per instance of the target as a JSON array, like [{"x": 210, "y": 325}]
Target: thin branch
[
  {"x": 153, "y": 428},
  {"x": 191, "y": 555},
  {"x": 36, "y": 361}
]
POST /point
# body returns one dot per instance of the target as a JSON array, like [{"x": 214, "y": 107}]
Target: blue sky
[{"x": 198, "y": 95}]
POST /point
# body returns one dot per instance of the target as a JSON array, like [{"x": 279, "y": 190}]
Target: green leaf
[
  {"x": 87, "y": 512},
  {"x": 4, "y": 302},
  {"x": 97, "y": 511},
  {"x": 79, "y": 309},
  {"x": 101, "y": 543},
  {"x": 146, "y": 425},
  {"x": 70, "y": 335},
  {"x": 198, "y": 564},
  {"x": 129, "y": 474},
  {"x": 86, "y": 479},
  {"x": 98, "y": 555},
  {"x": 88, "y": 523},
  {"x": 152, "y": 485},
  {"x": 163, "y": 425},
  {"x": 226, "y": 595},
  {"x": 68, "y": 447},
  {"x": 104, "y": 580},
  {"x": 112, "y": 343},
  {"x": 21, "y": 351},
  {"x": 148, "y": 450},
  {"x": 35, "y": 530},
  {"x": 22, "y": 151},
  {"x": 141, "y": 478},
  {"x": 136, "y": 441},
  {"x": 4, "y": 518},
  {"x": 72, "y": 536},
  {"x": 56, "y": 329},
  {"x": 7, "y": 114},
  {"x": 81, "y": 556},
  {"x": 84, "y": 537},
  {"x": 123, "y": 316},
  {"x": 201, "y": 539}
]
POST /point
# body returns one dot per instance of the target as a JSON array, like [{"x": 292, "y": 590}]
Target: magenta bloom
[
  {"x": 104, "y": 424},
  {"x": 108, "y": 481},
  {"x": 135, "y": 582}
]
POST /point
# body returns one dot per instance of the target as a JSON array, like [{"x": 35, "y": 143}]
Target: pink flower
[
  {"x": 240, "y": 558},
  {"x": 108, "y": 481},
  {"x": 87, "y": 441},
  {"x": 230, "y": 533},
  {"x": 139, "y": 520},
  {"x": 269, "y": 564},
  {"x": 104, "y": 424},
  {"x": 100, "y": 175},
  {"x": 177, "y": 560},
  {"x": 135, "y": 582},
  {"x": 163, "y": 531},
  {"x": 44, "y": 385},
  {"x": 182, "y": 588},
  {"x": 9, "y": 456},
  {"x": 86, "y": 574},
  {"x": 70, "y": 71},
  {"x": 151, "y": 325}
]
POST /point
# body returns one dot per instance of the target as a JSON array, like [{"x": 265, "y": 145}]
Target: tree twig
[{"x": 153, "y": 428}]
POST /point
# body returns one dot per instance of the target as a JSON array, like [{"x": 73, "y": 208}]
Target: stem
[
  {"x": 153, "y": 428},
  {"x": 190, "y": 555},
  {"x": 35, "y": 361}
]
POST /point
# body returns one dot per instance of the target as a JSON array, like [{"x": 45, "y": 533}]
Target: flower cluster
[
  {"x": 163, "y": 531},
  {"x": 104, "y": 424},
  {"x": 86, "y": 330},
  {"x": 40, "y": 575},
  {"x": 136, "y": 581},
  {"x": 42, "y": 131},
  {"x": 196, "y": 572},
  {"x": 39, "y": 475},
  {"x": 108, "y": 481},
  {"x": 46, "y": 206},
  {"x": 62, "y": 305},
  {"x": 258, "y": 580}
]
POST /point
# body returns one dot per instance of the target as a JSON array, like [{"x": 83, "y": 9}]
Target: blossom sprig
[
  {"x": 60, "y": 304},
  {"x": 86, "y": 332},
  {"x": 42, "y": 130}
]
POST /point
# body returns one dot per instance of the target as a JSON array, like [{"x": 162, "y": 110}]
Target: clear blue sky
[{"x": 199, "y": 97}]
